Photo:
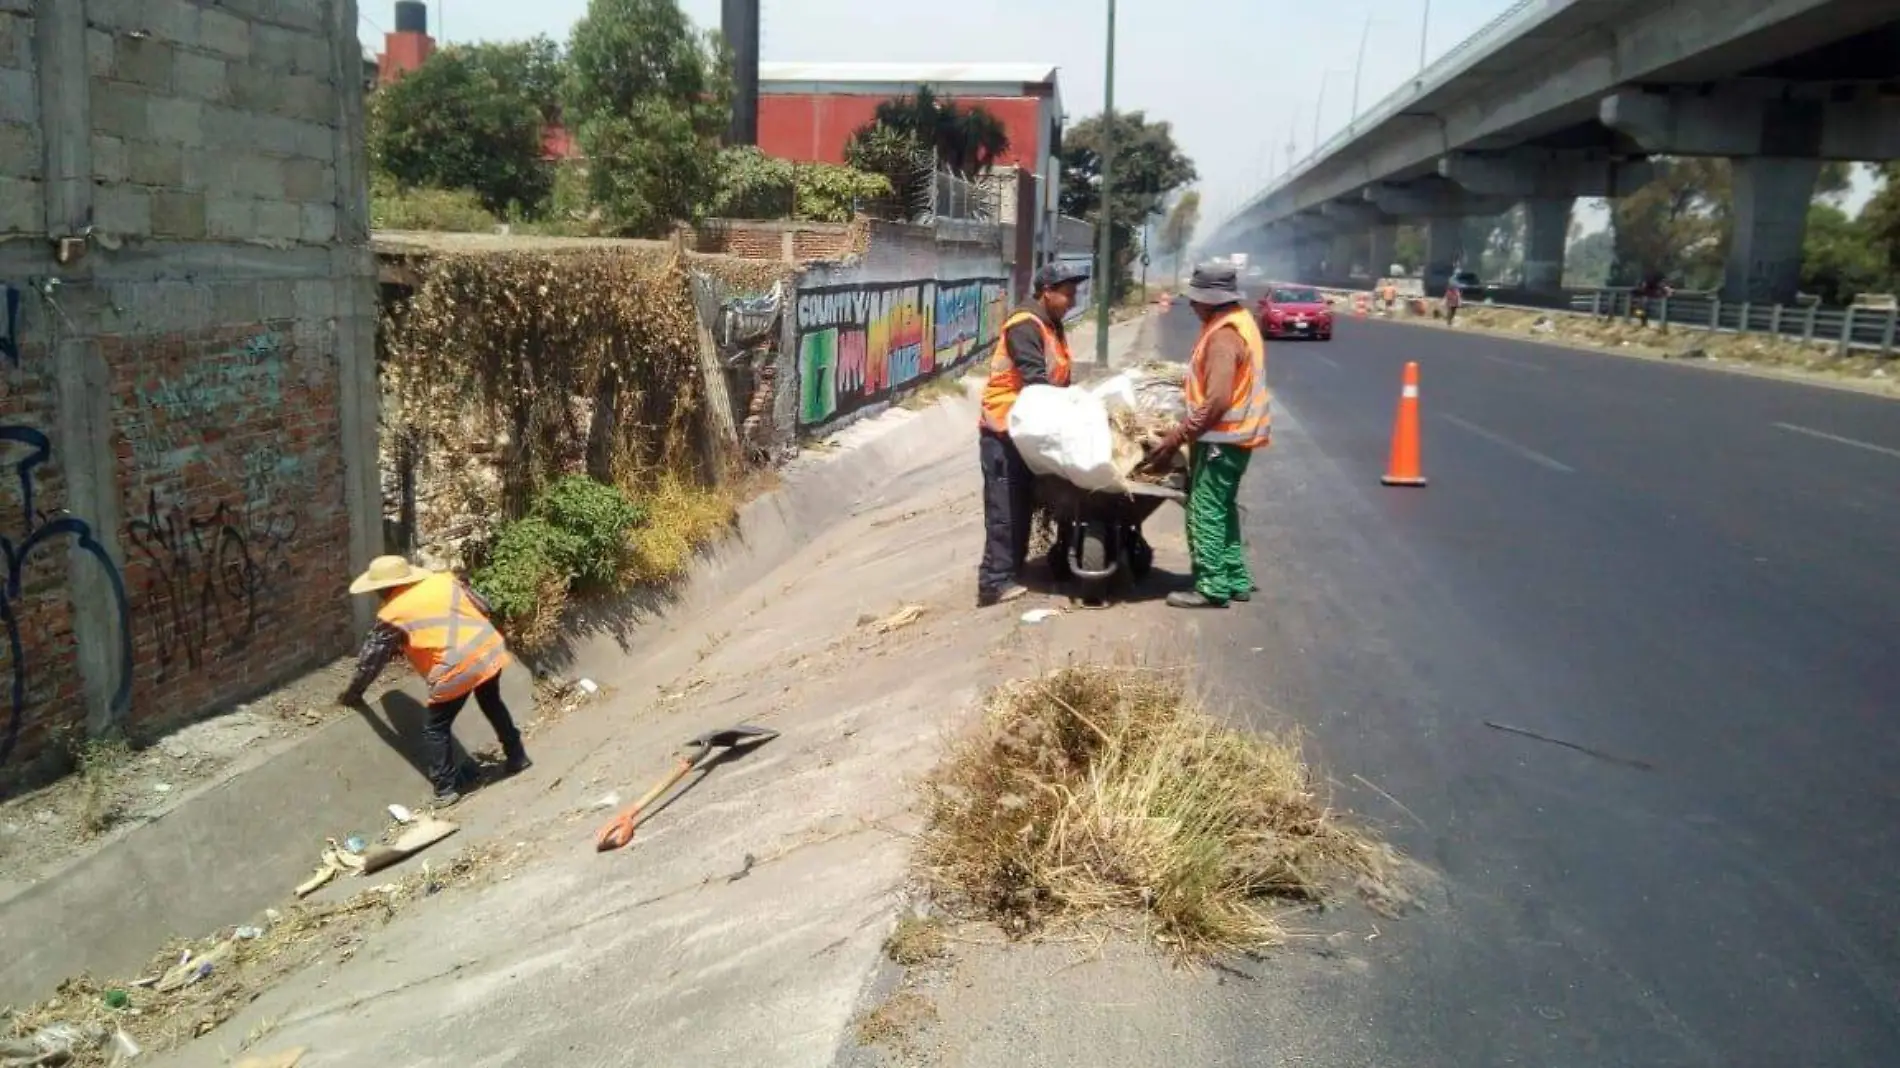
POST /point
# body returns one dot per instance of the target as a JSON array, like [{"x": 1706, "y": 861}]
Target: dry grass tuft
[
  {"x": 100, "y": 762},
  {"x": 896, "y": 1023},
  {"x": 682, "y": 517},
  {"x": 1102, "y": 790},
  {"x": 916, "y": 940}
]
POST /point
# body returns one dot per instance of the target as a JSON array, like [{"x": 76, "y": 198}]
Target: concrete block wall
[{"x": 187, "y": 376}]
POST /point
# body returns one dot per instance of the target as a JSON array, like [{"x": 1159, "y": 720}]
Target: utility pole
[
  {"x": 1358, "y": 69},
  {"x": 1425, "y": 27},
  {"x": 739, "y": 25},
  {"x": 1104, "y": 220}
]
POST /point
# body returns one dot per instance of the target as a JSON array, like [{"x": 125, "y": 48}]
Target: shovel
[{"x": 619, "y": 831}]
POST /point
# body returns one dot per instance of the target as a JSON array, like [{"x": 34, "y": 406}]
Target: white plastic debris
[
  {"x": 588, "y": 686},
  {"x": 401, "y": 814},
  {"x": 1038, "y": 615}
]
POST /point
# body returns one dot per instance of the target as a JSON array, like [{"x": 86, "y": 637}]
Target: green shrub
[
  {"x": 442, "y": 210},
  {"x": 577, "y": 533},
  {"x": 523, "y": 559},
  {"x": 593, "y": 522}
]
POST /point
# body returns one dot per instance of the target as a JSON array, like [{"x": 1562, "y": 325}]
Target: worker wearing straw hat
[{"x": 442, "y": 626}]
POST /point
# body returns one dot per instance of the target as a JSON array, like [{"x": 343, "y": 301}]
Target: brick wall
[
  {"x": 187, "y": 378},
  {"x": 768, "y": 240}
]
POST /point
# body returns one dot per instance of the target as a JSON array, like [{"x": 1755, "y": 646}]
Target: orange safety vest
[
  {"x": 1006, "y": 379},
  {"x": 1248, "y": 421},
  {"x": 452, "y": 645}
]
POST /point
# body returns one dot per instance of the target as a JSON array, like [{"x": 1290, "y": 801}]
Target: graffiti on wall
[
  {"x": 42, "y": 533},
  {"x": 195, "y": 404},
  {"x": 205, "y": 577},
  {"x": 857, "y": 344}
]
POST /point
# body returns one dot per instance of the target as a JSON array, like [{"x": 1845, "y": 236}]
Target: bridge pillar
[
  {"x": 1546, "y": 231},
  {"x": 1385, "y": 249},
  {"x": 1770, "y": 225},
  {"x": 1346, "y": 247},
  {"x": 1444, "y": 244}
]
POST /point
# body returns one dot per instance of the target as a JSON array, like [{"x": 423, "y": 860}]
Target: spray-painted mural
[{"x": 858, "y": 344}]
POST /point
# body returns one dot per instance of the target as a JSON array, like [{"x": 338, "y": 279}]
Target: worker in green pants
[
  {"x": 1229, "y": 416},
  {"x": 1213, "y": 522}
]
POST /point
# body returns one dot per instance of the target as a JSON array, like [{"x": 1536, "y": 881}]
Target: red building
[{"x": 808, "y": 111}]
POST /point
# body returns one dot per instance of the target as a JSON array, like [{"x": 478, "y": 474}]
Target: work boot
[
  {"x": 1243, "y": 596},
  {"x": 447, "y": 798},
  {"x": 517, "y": 764},
  {"x": 1193, "y": 599},
  {"x": 1015, "y": 591}
]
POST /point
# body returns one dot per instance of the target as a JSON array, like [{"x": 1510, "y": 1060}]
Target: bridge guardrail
[
  {"x": 1860, "y": 328},
  {"x": 1853, "y": 327}
]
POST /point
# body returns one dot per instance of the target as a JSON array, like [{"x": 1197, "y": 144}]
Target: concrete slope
[{"x": 1690, "y": 574}]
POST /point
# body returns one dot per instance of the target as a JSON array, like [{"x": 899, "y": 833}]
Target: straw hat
[{"x": 387, "y": 571}]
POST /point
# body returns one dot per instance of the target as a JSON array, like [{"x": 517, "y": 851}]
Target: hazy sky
[{"x": 1237, "y": 78}]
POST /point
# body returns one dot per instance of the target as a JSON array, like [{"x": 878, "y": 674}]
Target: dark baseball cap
[{"x": 1059, "y": 273}]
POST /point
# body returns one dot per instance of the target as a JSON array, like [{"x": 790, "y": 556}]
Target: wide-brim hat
[
  {"x": 1214, "y": 284},
  {"x": 385, "y": 572}
]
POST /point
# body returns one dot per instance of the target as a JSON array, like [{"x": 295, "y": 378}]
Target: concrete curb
[{"x": 238, "y": 843}]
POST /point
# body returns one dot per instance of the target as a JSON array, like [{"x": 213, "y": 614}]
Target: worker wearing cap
[
  {"x": 1229, "y": 416},
  {"x": 442, "y": 626},
  {"x": 1033, "y": 351}
]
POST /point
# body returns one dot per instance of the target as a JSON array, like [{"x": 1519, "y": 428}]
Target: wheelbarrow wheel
[
  {"x": 1093, "y": 550},
  {"x": 1141, "y": 556}
]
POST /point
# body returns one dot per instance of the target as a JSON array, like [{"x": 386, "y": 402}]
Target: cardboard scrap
[{"x": 418, "y": 837}]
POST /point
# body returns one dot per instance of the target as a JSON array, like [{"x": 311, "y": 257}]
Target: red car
[{"x": 1295, "y": 311}]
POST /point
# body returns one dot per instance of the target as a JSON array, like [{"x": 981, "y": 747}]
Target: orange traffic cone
[{"x": 1404, "y": 468}]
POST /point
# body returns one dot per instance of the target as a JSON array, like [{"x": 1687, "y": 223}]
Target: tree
[
  {"x": 1408, "y": 249},
  {"x": 1840, "y": 257},
  {"x": 1148, "y": 166},
  {"x": 901, "y": 160},
  {"x": 471, "y": 118},
  {"x": 1880, "y": 219},
  {"x": 753, "y": 185},
  {"x": 1676, "y": 227},
  {"x": 1178, "y": 232},
  {"x": 1587, "y": 260},
  {"x": 649, "y": 98},
  {"x": 965, "y": 140}
]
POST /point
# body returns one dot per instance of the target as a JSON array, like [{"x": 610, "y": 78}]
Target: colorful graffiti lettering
[
  {"x": 858, "y": 344},
  {"x": 38, "y": 531}
]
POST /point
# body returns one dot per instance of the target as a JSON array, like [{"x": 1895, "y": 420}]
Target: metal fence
[{"x": 1854, "y": 327}]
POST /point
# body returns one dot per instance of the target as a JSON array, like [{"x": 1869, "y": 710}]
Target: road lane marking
[
  {"x": 1328, "y": 361},
  {"x": 1498, "y": 439},
  {"x": 1508, "y": 362},
  {"x": 1838, "y": 440}
]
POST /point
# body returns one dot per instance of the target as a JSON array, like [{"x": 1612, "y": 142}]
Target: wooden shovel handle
[{"x": 619, "y": 830}]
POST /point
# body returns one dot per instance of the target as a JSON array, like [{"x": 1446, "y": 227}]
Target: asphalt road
[{"x": 1694, "y": 574}]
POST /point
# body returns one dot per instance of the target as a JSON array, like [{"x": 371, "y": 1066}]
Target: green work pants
[{"x": 1213, "y": 521}]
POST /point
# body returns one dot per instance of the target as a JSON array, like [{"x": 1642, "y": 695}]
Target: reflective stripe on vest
[
  {"x": 1006, "y": 379},
  {"x": 1248, "y": 421},
  {"x": 451, "y": 644}
]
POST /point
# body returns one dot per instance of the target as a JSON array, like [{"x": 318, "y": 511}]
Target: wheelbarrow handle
[{"x": 619, "y": 830}]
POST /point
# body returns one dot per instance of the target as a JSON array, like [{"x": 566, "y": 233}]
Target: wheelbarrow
[{"x": 1103, "y": 550}]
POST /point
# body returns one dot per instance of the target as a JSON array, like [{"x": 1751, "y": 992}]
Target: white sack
[{"x": 1065, "y": 433}]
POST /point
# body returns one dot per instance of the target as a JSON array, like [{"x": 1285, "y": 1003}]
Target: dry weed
[
  {"x": 916, "y": 940},
  {"x": 682, "y": 517},
  {"x": 240, "y": 969},
  {"x": 1102, "y": 790},
  {"x": 896, "y": 1023}
]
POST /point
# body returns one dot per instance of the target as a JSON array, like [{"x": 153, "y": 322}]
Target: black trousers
[
  {"x": 1009, "y": 503},
  {"x": 437, "y": 741}
]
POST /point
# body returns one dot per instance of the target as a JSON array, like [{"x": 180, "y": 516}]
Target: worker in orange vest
[
  {"x": 442, "y": 626},
  {"x": 1391, "y": 295},
  {"x": 1033, "y": 350},
  {"x": 1229, "y": 416}
]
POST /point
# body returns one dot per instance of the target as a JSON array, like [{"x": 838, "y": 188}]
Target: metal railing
[{"x": 1853, "y": 327}]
